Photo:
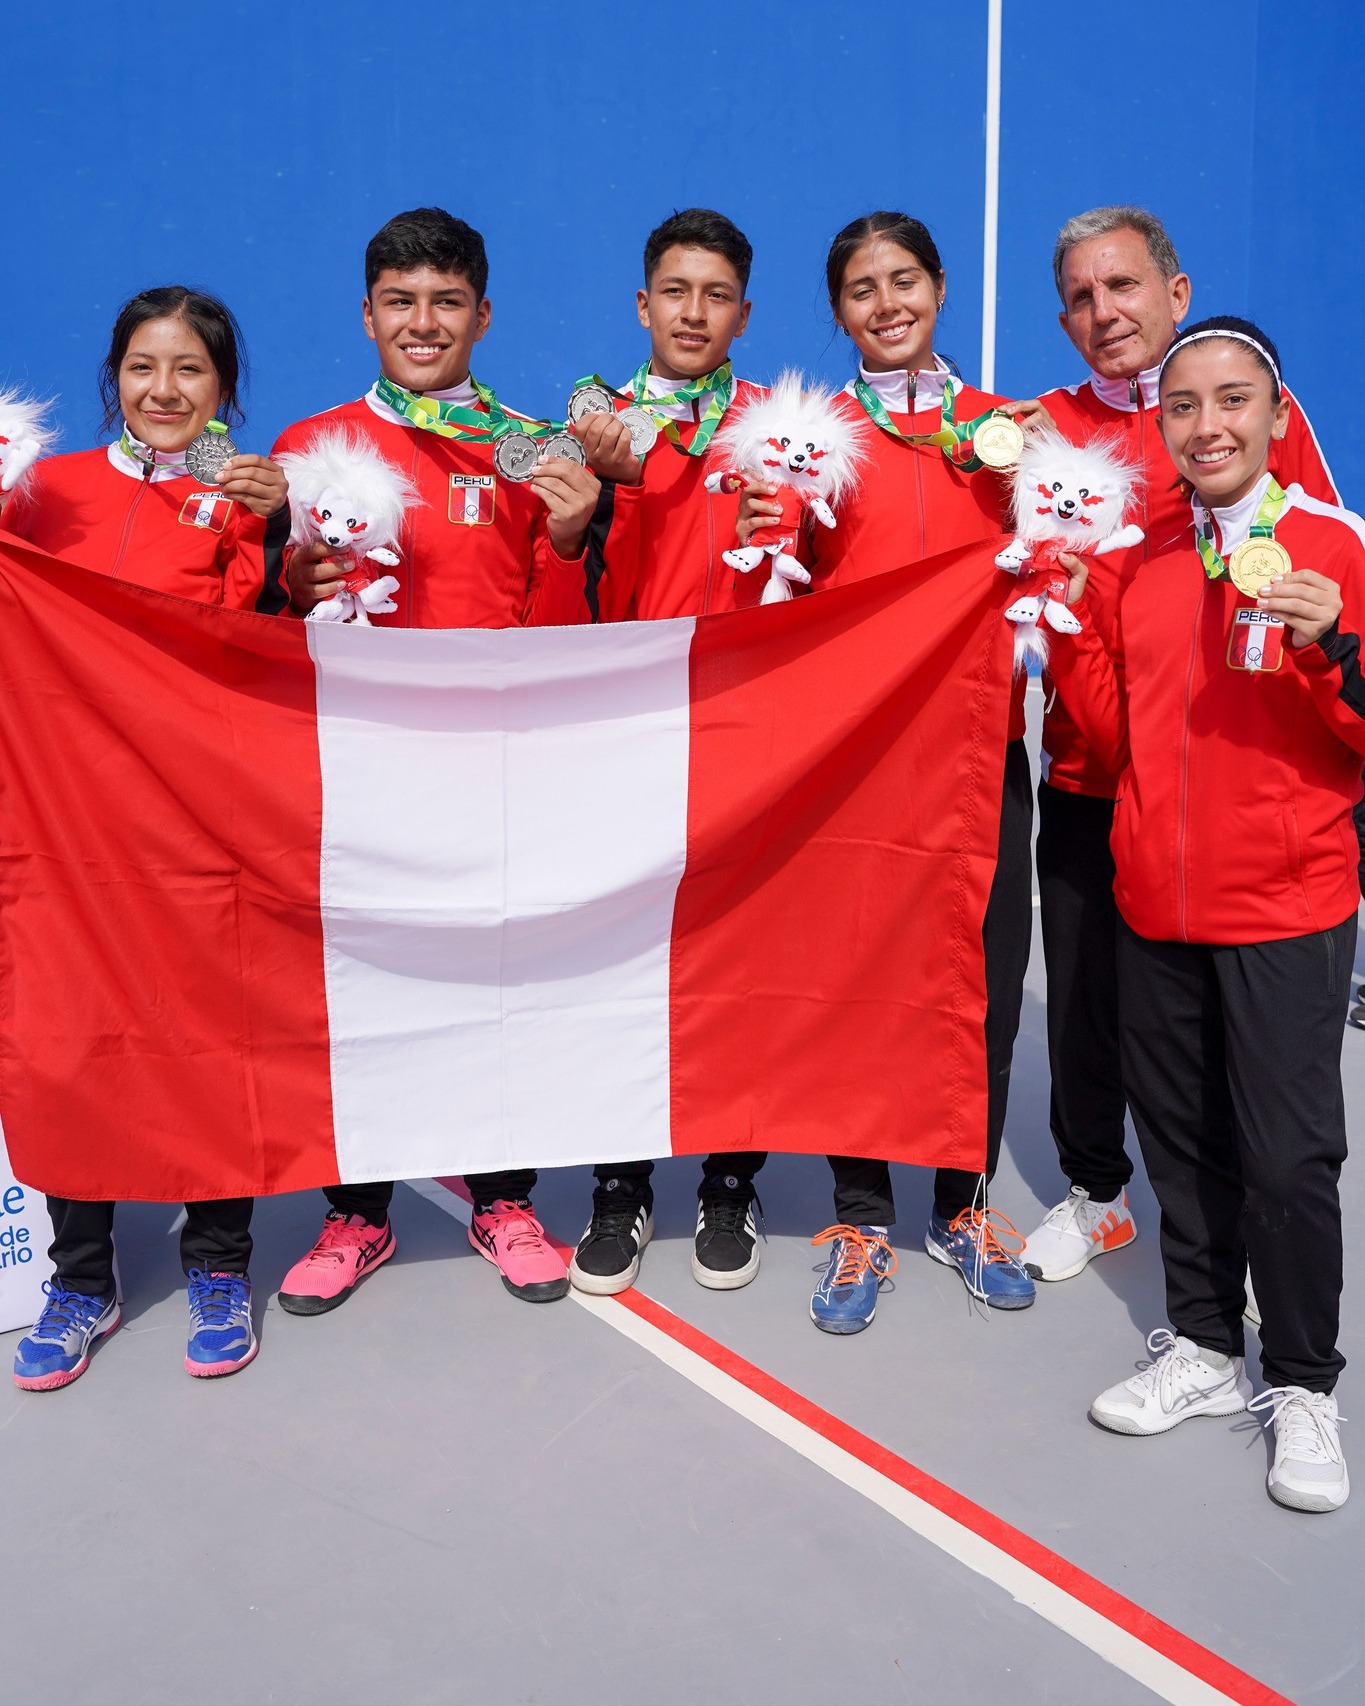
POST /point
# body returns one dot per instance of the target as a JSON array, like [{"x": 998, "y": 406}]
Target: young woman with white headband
[{"x": 1231, "y": 704}]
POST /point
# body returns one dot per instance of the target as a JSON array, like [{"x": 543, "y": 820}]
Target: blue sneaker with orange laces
[
  {"x": 222, "y": 1339},
  {"x": 971, "y": 1243},
  {"x": 56, "y": 1349},
  {"x": 860, "y": 1258}
]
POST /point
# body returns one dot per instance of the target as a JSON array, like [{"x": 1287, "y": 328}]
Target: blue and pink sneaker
[
  {"x": 57, "y": 1348},
  {"x": 222, "y": 1339}
]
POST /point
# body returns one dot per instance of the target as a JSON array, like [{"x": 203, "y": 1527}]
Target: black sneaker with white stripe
[
  {"x": 725, "y": 1250},
  {"x": 607, "y": 1259}
]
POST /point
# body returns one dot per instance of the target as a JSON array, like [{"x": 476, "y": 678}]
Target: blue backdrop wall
[{"x": 254, "y": 148}]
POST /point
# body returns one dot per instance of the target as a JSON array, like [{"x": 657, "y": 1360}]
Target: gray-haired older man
[{"x": 1123, "y": 295}]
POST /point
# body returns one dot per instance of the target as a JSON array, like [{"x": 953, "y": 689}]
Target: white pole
[{"x": 992, "y": 198}]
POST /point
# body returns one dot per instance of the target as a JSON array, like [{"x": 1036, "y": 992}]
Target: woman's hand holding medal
[
  {"x": 1305, "y": 601},
  {"x": 255, "y": 482}
]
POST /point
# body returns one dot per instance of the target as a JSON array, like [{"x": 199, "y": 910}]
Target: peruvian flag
[
  {"x": 287, "y": 903},
  {"x": 206, "y": 509}
]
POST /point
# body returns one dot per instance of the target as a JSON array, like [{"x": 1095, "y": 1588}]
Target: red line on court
[{"x": 1124, "y": 1613}]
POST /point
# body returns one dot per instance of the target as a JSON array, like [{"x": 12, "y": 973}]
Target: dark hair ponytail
[
  {"x": 898, "y": 228},
  {"x": 208, "y": 318}
]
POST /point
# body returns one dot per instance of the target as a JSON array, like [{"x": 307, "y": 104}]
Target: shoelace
[
  {"x": 857, "y": 1254},
  {"x": 614, "y": 1216},
  {"x": 518, "y": 1227},
  {"x": 1066, "y": 1214},
  {"x": 725, "y": 1210},
  {"x": 216, "y": 1298},
  {"x": 1168, "y": 1364},
  {"x": 64, "y": 1310},
  {"x": 1303, "y": 1423},
  {"x": 334, "y": 1237},
  {"x": 984, "y": 1227}
]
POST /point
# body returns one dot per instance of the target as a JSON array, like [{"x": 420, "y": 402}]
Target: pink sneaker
[
  {"x": 346, "y": 1252},
  {"x": 510, "y": 1236}
]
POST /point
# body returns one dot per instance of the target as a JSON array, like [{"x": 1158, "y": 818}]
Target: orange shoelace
[
  {"x": 985, "y": 1228},
  {"x": 857, "y": 1253}
]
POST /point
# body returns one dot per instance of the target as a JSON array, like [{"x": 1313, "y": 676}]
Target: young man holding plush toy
[
  {"x": 497, "y": 541},
  {"x": 664, "y": 539},
  {"x": 1123, "y": 296}
]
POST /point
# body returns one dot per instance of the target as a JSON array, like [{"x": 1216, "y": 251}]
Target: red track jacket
[
  {"x": 1127, "y": 412},
  {"x": 1233, "y": 818},
  {"x": 99, "y": 508},
  {"x": 661, "y": 553},
  {"x": 476, "y": 553}
]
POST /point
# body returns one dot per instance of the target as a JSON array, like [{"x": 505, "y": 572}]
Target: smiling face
[
  {"x": 168, "y": 387},
  {"x": 693, "y": 309},
  {"x": 888, "y": 304},
  {"x": 1218, "y": 416},
  {"x": 425, "y": 324},
  {"x": 1120, "y": 313}
]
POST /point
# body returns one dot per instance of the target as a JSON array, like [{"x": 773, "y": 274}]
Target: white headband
[{"x": 1219, "y": 332}]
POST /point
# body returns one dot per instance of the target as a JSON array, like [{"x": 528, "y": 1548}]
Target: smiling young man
[
  {"x": 481, "y": 551},
  {"x": 1123, "y": 296},
  {"x": 664, "y": 535}
]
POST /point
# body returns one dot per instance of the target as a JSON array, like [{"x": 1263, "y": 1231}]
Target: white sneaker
[
  {"x": 1075, "y": 1232},
  {"x": 1251, "y": 1309},
  {"x": 1177, "y": 1384},
  {"x": 1309, "y": 1471}
]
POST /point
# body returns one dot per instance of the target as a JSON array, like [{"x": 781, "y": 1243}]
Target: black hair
[
  {"x": 908, "y": 233},
  {"x": 212, "y": 321},
  {"x": 428, "y": 237},
  {"x": 1264, "y": 347},
  {"x": 700, "y": 228}
]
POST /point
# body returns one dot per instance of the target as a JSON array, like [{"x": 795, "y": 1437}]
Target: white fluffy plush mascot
[
  {"x": 24, "y": 436},
  {"x": 345, "y": 494},
  {"x": 1067, "y": 497},
  {"x": 799, "y": 438}
]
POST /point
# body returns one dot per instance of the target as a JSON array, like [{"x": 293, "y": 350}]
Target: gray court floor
[{"x": 441, "y": 1494}]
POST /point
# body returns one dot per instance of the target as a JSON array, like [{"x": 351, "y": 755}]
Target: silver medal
[
  {"x": 515, "y": 455},
  {"x": 590, "y": 400},
  {"x": 565, "y": 445},
  {"x": 208, "y": 455},
  {"x": 639, "y": 423}
]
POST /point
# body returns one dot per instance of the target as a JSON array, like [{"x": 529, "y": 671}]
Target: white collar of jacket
[
  {"x": 167, "y": 465},
  {"x": 1234, "y": 522},
  {"x": 1118, "y": 393},
  {"x": 463, "y": 393},
  {"x": 892, "y": 390},
  {"x": 657, "y": 386}
]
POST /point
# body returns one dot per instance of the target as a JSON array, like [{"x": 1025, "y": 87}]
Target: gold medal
[
  {"x": 997, "y": 442},
  {"x": 1255, "y": 563}
]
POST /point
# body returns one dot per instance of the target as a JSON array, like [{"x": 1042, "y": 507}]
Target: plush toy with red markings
[
  {"x": 343, "y": 493},
  {"x": 800, "y": 439},
  {"x": 24, "y": 436},
  {"x": 1066, "y": 498}
]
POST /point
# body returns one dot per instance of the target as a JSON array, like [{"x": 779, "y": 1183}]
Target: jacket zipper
[
  {"x": 1135, "y": 398},
  {"x": 142, "y": 486},
  {"x": 1185, "y": 765},
  {"x": 709, "y": 585}
]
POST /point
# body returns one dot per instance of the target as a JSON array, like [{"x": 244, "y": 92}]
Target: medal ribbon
[
  {"x": 1263, "y": 527},
  {"x": 456, "y": 420},
  {"x": 720, "y": 383},
  {"x": 140, "y": 453},
  {"x": 953, "y": 438}
]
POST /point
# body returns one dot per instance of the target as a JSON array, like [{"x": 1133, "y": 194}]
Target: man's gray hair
[{"x": 1102, "y": 222}]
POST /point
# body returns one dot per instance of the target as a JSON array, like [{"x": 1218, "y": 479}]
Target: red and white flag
[{"x": 283, "y": 903}]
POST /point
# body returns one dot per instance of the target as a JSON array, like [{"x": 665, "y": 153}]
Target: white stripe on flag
[{"x": 504, "y": 828}]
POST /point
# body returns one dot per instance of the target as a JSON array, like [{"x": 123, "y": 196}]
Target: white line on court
[{"x": 1167, "y": 1679}]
